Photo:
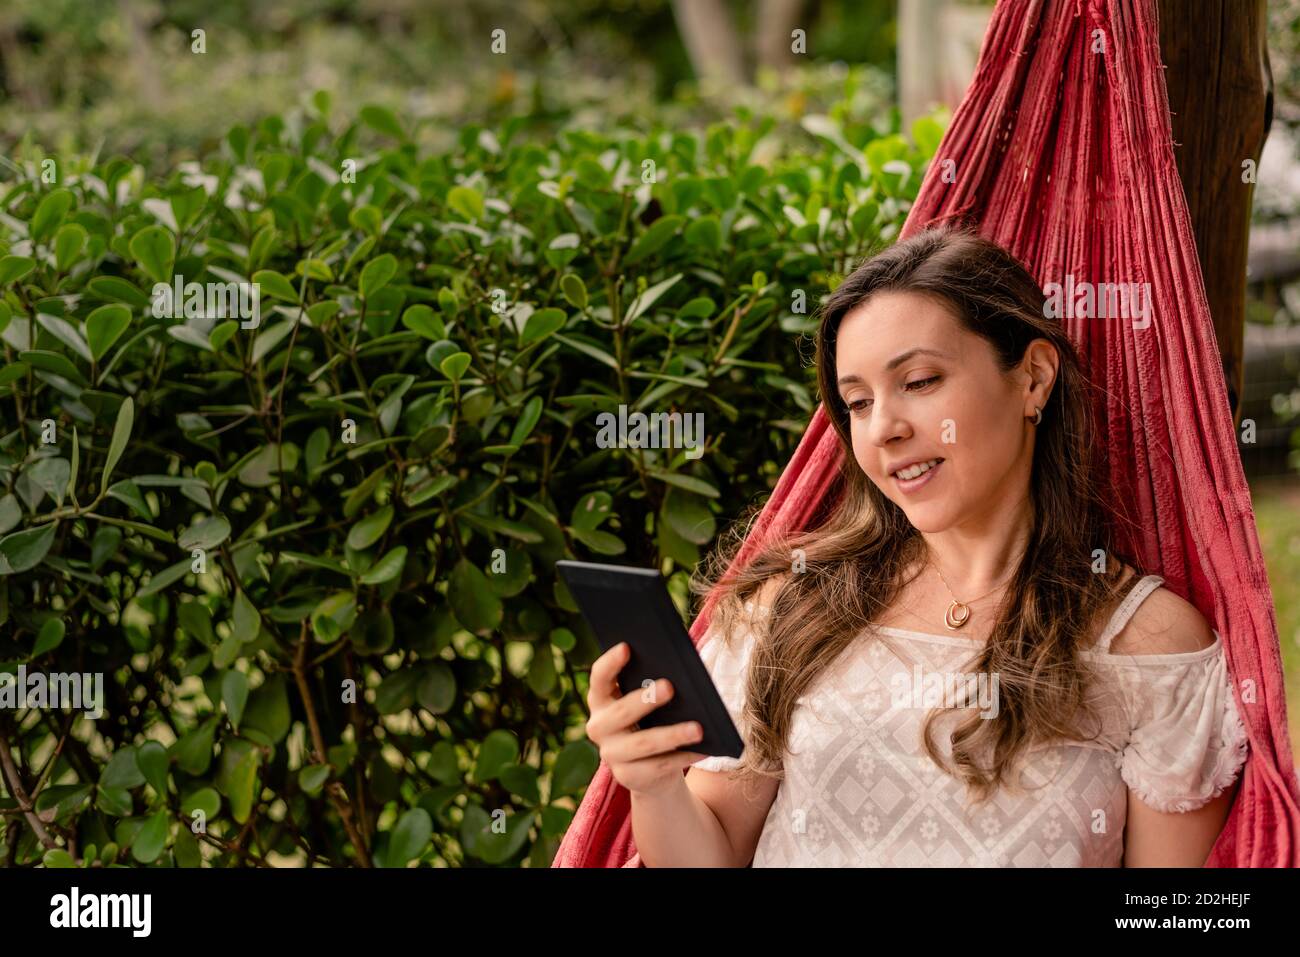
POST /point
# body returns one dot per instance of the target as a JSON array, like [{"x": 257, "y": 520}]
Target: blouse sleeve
[
  {"x": 1187, "y": 743},
  {"x": 728, "y": 663}
]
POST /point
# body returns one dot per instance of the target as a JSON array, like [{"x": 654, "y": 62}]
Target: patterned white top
[{"x": 860, "y": 791}]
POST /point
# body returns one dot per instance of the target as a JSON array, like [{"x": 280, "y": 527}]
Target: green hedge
[{"x": 313, "y": 558}]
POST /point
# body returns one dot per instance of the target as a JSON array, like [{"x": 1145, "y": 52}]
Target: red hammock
[{"x": 1065, "y": 156}]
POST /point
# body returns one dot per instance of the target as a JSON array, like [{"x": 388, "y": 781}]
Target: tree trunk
[
  {"x": 777, "y": 19},
  {"x": 1221, "y": 97},
  {"x": 711, "y": 40}
]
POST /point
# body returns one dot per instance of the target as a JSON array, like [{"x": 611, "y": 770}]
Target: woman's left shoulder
[{"x": 1163, "y": 624}]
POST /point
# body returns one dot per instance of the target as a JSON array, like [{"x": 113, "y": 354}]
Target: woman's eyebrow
[{"x": 895, "y": 362}]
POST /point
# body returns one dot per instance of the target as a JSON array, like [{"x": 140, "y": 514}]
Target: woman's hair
[{"x": 838, "y": 576}]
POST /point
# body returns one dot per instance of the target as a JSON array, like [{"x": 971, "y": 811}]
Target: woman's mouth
[{"x": 914, "y": 476}]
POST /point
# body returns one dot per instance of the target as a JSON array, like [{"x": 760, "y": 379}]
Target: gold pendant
[{"x": 957, "y": 615}]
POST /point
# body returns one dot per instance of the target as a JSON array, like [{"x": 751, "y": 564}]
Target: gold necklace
[{"x": 958, "y": 613}]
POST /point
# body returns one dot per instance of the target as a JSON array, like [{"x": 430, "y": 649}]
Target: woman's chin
[{"x": 929, "y": 518}]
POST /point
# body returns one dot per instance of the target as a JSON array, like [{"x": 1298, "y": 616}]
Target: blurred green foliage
[{"x": 123, "y": 75}]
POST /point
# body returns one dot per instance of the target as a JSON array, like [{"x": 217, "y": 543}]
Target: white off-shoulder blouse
[{"x": 860, "y": 791}]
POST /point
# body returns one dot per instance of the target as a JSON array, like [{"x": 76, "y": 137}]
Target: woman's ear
[{"x": 1039, "y": 363}]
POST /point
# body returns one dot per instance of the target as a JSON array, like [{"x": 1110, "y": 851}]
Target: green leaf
[
  {"x": 540, "y": 324},
  {"x": 222, "y": 333},
  {"x": 505, "y": 526},
  {"x": 13, "y": 268},
  {"x": 493, "y": 846},
  {"x": 312, "y": 778},
  {"x": 151, "y": 839},
  {"x": 689, "y": 517},
  {"x": 118, "y": 289},
  {"x": 275, "y": 285},
  {"x": 154, "y": 249},
  {"x": 13, "y": 372},
  {"x": 51, "y": 475},
  {"x": 423, "y": 320},
  {"x": 387, "y": 568},
  {"x": 466, "y": 201},
  {"x": 11, "y": 512},
  {"x": 105, "y": 326},
  {"x": 654, "y": 238},
  {"x": 206, "y": 800},
  {"x": 49, "y": 213},
  {"x": 268, "y": 709},
  {"x": 521, "y": 779},
  {"x": 648, "y": 298},
  {"x": 122, "y": 771},
  {"x": 263, "y": 468},
  {"x": 367, "y": 218},
  {"x": 454, "y": 366},
  {"x": 688, "y": 482},
  {"x": 591, "y": 510},
  {"x": 334, "y": 616},
  {"x": 376, "y": 274},
  {"x": 575, "y": 290},
  {"x": 237, "y": 776},
  {"x": 65, "y": 332},
  {"x": 527, "y": 420},
  {"x": 603, "y": 543},
  {"x": 128, "y": 492},
  {"x": 234, "y": 695},
  {"x": 397, "y": 691},
  {"x": 168, "y": 576},
  {"x": 196, "y": 621},
  {"x": 437, "y": 688},
  {"x": 114, "y": 801},
  {"x": 54, "y": 362},
  {"x": 705, "y": 232},
  {"x": 205, "y": 534},
  {"x": 49, "y": 637},
  {"x": 152, "y": 760},
  {"x": 574, "y": 768},
  {"x": 499, "y": 750},
  {"x": 193, "y": 752},
  {"x": 22, "y": 551},
  {"x": 926, "y": 133},
  {"x": 473, "y": 602},
  {"x": 382, "y": 120},
  {"x": 58, "y": 857},
  {"x": 370, "y": 529},
  {"x": 68, "y": 243},
  {"x": 117, "y": 445},
  {"x": 245, "y": 623},
  {"x": 410, "y": 837}
]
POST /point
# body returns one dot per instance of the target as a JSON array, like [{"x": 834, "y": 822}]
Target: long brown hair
[{"x": 842, "y": 574}]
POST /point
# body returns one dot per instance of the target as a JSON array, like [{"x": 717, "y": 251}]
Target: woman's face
[{"x": 921, "y": 388}]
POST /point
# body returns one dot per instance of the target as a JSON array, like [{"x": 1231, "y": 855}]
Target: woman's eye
[{"x": 862, "y": 405}]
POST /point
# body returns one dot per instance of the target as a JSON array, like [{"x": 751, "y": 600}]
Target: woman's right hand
[{"x": 641, "y": 760}]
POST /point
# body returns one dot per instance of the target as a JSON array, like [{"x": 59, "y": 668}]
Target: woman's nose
[{"x": 886, "y": 424}]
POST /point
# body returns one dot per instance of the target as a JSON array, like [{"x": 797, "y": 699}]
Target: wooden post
[{"x": 1221, "y": 96}]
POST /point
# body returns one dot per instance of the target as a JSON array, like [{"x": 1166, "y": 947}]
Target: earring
[{"x": 1038, "y": 415}]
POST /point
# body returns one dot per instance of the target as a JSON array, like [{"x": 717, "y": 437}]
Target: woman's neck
[{"x": 978, "y": 556}]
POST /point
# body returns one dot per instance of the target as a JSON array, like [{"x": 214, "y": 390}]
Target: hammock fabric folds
[{"x": 1062, "y": 152}]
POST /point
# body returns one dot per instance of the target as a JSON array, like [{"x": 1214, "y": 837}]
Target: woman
[{"x": 969, "y": 553}]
